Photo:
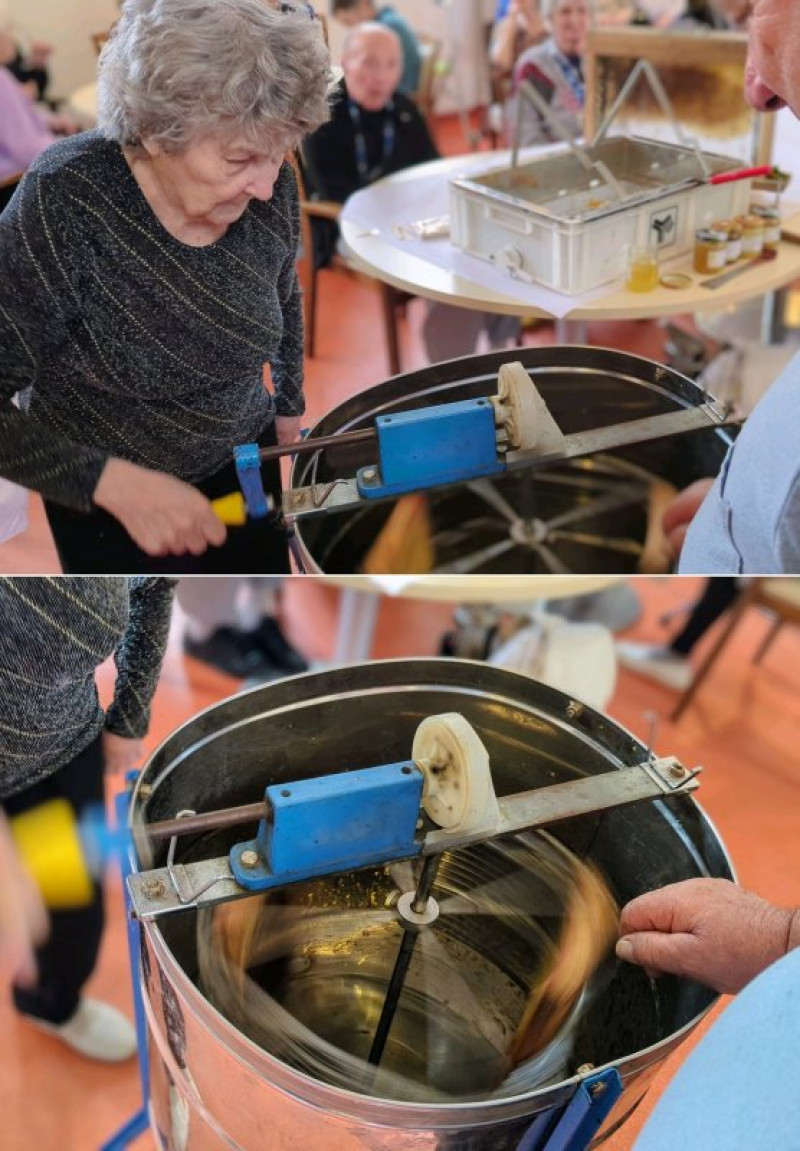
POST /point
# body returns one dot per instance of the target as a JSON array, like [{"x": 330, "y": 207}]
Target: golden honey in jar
[
  {"x": 733, "y": 231},
  {"x": 710, "y": 250},
  {"x": 771, "y": 219},
  {"x": 752, "y": 235},
  {"x": 642, "y": 269}
]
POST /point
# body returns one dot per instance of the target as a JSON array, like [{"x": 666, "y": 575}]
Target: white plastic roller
[
  {"x": 523, "y": 415},
  {"x": 458, "y": 794}
]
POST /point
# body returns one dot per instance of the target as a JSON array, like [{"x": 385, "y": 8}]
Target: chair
[
  {"x": 99, "y": 40},
  {"x": 779, "y": 596},
  {"x": 430, "y": 50},
  {"x": 392, "y": 300},
  {"x": 8, "y": 187}
]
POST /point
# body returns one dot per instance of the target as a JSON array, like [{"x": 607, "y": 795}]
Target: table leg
[{"x": 358, "y": 615}]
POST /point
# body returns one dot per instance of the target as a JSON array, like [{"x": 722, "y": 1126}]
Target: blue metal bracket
[
  {"x": 444, "y": 444},
  {"x": 332, "y": 823},
  {"x": 248, "y": 469},
  {"x": 139, "y": 1122},
  {"x": 580, "y": 1120}
]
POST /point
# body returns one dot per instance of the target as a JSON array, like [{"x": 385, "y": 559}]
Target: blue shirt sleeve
[{"x": 737, "y": 1091}]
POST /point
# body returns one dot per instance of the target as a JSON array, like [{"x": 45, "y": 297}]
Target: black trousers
[
  {"x": 68, "y": 957},
  {"x": 95, "y": 543},
  {"x": 719, "y": 594}
]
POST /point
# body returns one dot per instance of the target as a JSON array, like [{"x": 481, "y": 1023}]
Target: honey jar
[
  {"x": 771, "y": 219},
  {"x": 752, "y": 235},
  {"x": 733, "y": 231},
  {"x": 710, "y": 250}
]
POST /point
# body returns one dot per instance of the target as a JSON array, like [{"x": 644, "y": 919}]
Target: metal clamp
[
  {"x": 248, "y": 469},
  {"x": 582, "y": 1117}
]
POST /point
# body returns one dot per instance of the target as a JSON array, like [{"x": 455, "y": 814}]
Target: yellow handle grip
[
  {"x": 232, "y": 509},
  {"x": 48, "y": 842}
]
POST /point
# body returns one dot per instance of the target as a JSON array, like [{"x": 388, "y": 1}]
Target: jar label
[{"x": 717, "y": 259}]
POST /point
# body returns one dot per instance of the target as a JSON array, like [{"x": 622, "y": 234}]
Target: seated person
[
  {"x": 661, "y": 13},
  {"x": 29, "y": 69},
  {"x": 730, "y": 15},
  {"x": 374, "y": 131},
  {"x": 519, "y": 28},
  {"x": 611, "y": 13},
  {"x": 352, "y": 12},
  {"x": 24, "y": 131},
  {"x": 555, "y": 70}
]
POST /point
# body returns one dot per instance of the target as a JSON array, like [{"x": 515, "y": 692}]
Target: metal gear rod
[{"x": 403, "y": 961}]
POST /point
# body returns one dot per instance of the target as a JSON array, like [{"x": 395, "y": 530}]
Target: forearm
[
  {"x": 140, "y": 655},
  {"x": 501, "y": 49},
  {"x": 37, "y": 457}
]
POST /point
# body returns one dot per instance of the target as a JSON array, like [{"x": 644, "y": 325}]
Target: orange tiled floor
[{"x": 744, "y": 729}]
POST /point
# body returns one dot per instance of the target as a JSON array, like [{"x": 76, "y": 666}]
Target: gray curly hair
[{"x": 176, "y": 70}]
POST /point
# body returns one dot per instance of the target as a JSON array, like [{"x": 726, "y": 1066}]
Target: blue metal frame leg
[{"x": 139, "y": 1122}]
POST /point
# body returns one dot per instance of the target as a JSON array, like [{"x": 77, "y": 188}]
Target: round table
[
  {"x": 361, "y": 597},
  {"x": 374, "y": 253}
]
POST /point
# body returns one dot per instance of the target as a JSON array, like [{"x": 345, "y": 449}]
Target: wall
[{"x": 69, "y": 24}]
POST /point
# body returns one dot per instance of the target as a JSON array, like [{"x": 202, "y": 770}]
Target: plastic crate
[{"x": 557, "y": 223}]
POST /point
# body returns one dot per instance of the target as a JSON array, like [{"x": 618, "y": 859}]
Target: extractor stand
[{"x": 441, "y": 799}]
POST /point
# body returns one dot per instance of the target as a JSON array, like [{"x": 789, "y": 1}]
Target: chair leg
[
  {"x": 736, "y": 613},
  {"x": 311, "y": 312},
  {"x": 766, "y": 642},
  {"x": 388, "y": 301}
]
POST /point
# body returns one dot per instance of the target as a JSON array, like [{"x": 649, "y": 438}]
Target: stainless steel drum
[
  {"x": 212, "y": 1087},
  {"x": 589, "y": 515}
]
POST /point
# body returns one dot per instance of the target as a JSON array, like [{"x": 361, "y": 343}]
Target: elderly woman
[
  {"x": 555, "y": 70},
  {"x": 147, "y": 276},
  {"x": 56, "y": 742}
]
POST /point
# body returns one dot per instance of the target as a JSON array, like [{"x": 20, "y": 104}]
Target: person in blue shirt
[
  {"x": 737, "y": 1090},
  {"x": 747, "y": 521},
  {"x": 352, "y": 12}
]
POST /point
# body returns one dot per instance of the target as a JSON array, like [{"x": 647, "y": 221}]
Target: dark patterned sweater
[
  {"x": 54, "y": 634},
  {"x": 126, "y": 342}
]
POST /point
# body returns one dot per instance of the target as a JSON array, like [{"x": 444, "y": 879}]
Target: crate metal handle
[
  {"x": 646, "y": 69},
  {"x": 526, "y": 91}
]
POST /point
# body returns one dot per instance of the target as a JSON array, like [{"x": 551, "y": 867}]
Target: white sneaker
[
  {"x": 658, "y": 663},
  {"x": 96, "y": 1031}
]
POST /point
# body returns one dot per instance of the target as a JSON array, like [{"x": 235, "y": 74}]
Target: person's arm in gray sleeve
[
  {"x": 37, "y": 306},
  {"x": 287, "y": 362},
  {"x": 139, "y": 656}
]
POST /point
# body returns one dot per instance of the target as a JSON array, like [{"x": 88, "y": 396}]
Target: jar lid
[
  {"x": 710, "y": 236},
  {"x": 764, "y": 212},
  {"x": 675, "y": 280}
]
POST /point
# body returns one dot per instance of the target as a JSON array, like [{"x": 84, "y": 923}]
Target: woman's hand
[
  {"x": 120, "y": 753},
  {"x": 287, "y": 429},
  {"x": 23, "y": 918},
  {"x": 680, "y": 513},
  {"x": 162, "y": 514},
  {"x": 706, "y": 929}
]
